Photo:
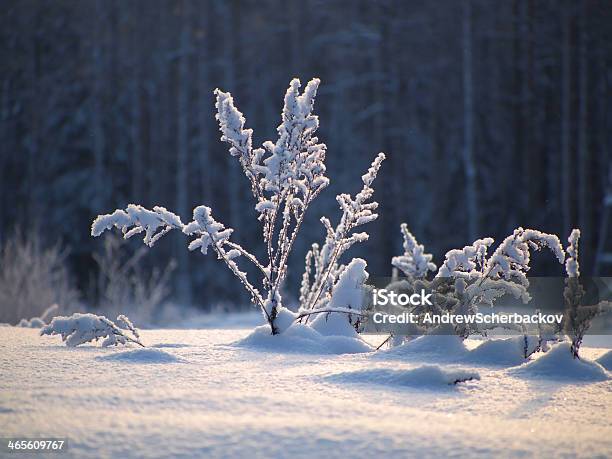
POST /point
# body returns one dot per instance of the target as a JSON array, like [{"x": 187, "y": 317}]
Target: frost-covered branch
[
  {"x": 301, "y": 315},
  {"x": 83, "y": 328},
  {"x": 355, "y": 212},
  {"x": 136, "y": 219},
  {"x": 512, "y": 257}
]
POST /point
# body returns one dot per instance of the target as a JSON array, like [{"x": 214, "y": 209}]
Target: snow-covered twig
[
  {"x": 355, "y": 212},
  {"x": 414, "y": 262},
  {"x": 328, "y": 310},
  {"x": 136, "y": 219},
  {"x": 83, "y": 328}
]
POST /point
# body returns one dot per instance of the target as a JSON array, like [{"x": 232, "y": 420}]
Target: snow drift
[
  {"x": 299, "y": 338},
  {"x": 558, "y": 363},
  {"x": 148, "y": 355},
  {"x": 606, "y": 360},
  {"x": 426, "y": 376}
]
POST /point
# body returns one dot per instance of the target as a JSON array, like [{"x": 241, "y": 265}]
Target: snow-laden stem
[
  {"x": 328, "y": 310},
  {"x": 248, "y": 256},
  {"x": 384, "y": 342},
  {"x": 355, "y": 212},
  {"x": 323, "y": 280}
]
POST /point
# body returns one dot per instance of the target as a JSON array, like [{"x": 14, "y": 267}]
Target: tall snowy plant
[
  {"x": 285, "y": 177},
  {"x": 578, "y": 316}
]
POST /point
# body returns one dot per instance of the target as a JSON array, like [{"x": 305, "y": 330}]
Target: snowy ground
[{"x": 193, "y": 394}]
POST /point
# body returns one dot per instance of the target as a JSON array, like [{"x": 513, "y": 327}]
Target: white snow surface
[{"x": 196, "y": 394}]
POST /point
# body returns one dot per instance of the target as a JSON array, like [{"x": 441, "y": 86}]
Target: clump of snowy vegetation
[
  {"x": 428, "y": 376},
  {"x": 285, "y": 177},
  {"x": 469, "y": 277},
  {"x": 83, "y": 328},
  {"x": 32, "y": 277}
]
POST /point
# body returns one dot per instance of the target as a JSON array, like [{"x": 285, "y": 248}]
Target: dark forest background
[{"x": 493, "y": 115}]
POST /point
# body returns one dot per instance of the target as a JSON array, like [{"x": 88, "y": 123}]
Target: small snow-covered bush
[
  {"x": 285, "y": 177},
  {"x": 469, "y": 277},
  {"x": 32, "y": 277},
  {"x": 83, "y": 328},
  {"x": 578, "y": 316}
]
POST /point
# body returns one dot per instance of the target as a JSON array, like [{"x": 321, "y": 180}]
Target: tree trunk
[
  {"x": 584, "y": 157},
  {"x": 98, "y": 137},
  {"x": 182, "y": 177},
  {"x": 469, "y": 163},
  {"x": 566, "y": 96}
]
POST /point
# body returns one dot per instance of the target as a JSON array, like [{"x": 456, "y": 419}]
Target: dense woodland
[{"x": 493, "y": 115}]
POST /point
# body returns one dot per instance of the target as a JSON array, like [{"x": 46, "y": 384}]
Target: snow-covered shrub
[
  {"x": 327, "y": 283},
  {"x": 578, "y": 316},
  {"x": 37, "y": 322},
  {"x": 469, "y": 278},
  {"x": 285, "y": 177},
  {"x": 83, "y": 328},
  {"x": 32, "y": 277},
  {"x": 123, "y": 284}
]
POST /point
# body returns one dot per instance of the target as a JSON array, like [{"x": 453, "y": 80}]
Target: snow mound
[
  {"x": 334, "y": 324},
  {"x": 501, "y": 352},
  {"x": 141, "y": 356},
  {"x": 301, "y": 338},
  {"x": 606, "y": 360},
  {"x": 170, "y": 345},
  {"x": 426, "y": 376},
  {"x": 435, "y": 346},
  {"x": 558, "y": 363}
]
